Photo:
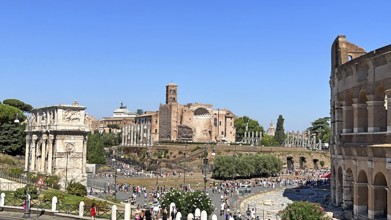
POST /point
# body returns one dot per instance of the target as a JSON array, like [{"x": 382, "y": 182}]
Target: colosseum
[{"x": 361, "y": 130}]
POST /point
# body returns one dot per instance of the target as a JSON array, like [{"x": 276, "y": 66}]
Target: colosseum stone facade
[{"x": 361, "y": 129}]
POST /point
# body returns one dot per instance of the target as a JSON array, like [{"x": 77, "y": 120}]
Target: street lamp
[
  {"x": 157, "y": 175},
  {"x": 184, "y": 170},
  {"x": 29, "y": 137},
  {"x": 115, "y": 179},
  {"x": 233, "y": 179},
  {"x": 205, "y": 163}
]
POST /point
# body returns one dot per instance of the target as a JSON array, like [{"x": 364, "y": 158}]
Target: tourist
[
  {"x": 164, "y": 213},
  {"x": 148, "y": 214},
  {"x": 93, "y": 211},
  {"x": 173, "y": 212},
  {"x": 222, "y": 209}
]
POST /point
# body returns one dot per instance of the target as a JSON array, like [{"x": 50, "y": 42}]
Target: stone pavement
[
  {"x": 268, "y": 204},
  {"x": 19, "y": 215}
]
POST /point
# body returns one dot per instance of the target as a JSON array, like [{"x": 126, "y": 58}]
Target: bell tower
[{"x": 171, "y": 93}]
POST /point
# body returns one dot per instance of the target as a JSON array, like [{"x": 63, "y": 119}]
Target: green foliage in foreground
[
  {"x": 300, "y": 210},
  {"x": 21, "y": 192},
  {"x": 188, "y": 202},
  {"x": 77, "y": 189},
  {"x": 246, "y": 166}
]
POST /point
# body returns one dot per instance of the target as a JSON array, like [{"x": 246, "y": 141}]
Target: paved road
[
  {"x": 5, "y": 215},
  {"x": 216, "y": 198}
]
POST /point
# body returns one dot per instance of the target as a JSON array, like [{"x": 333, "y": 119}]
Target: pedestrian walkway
[{"x": 19, "y": 215}]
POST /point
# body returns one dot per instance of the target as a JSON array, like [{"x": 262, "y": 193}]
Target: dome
[{"x": 123, "y": 112}]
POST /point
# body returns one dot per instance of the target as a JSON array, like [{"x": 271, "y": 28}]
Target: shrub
[
  {"x": 21, "y": 192},
  {"x": 303, "y": 210},
  {"x": 98, "y": 203},
  {"x": 77, "y": 189},
  {"x": 47, "y": 196},
  {"x": 53, "y": 181},
  {"x": 321, "y": 163}
]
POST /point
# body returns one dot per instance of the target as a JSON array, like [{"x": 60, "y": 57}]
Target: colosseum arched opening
[
  {"x": 380, "y": 196},
  {"x": 361, "y": 203}
]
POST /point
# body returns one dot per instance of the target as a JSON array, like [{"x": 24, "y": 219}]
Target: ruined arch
[
  {"x": 201, "y": 111},
  {"x": 361, "y": 201},
  {"x": 380, "y": 195},
  {"x": 302, "y": 162},
  {"x": 290, "y": 163},
  {"x": 315, "y": 161}
]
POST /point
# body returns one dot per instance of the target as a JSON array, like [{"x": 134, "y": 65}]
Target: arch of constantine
[
  {"x": 361, "y": 129},
  {"x": 56, "y": 142}
]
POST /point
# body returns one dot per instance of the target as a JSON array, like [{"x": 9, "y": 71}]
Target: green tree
[
  {"x": 268, "y": 140},
  {"x": 113, "y": 126},
  {"x": 321, "y": 127},
  {"x": 95, "y": 149},
  {"x": 280, "y": 132},
  {"x": 18, "y": 104},
  {"x": 12, "y": 138},
  {"x": 246, "y": 166},
  {"x": 300, "y": 210},
  {"x": 242, "y": 122}
]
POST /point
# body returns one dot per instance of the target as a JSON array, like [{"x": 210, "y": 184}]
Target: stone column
[
  {"x": 136, "y": 133},
  {"x": 360, "y": 121},
  {"x": 27, "y": 160},
  {"x": 37, "y": 154},
  {"x": 376, "y": 114},
  {"x": 141, "y": 134},
  {"x": 347, "y": 112},
  {"x": 371, "y": 201},
  {"x": 50, "y": 154},
  {"x": 124, "y": 135},
  {"x": 131, "y": 135},
  {"x": 43, "y": 153},
  {"x": 149, "y": 134},
  {"x": 388, "y": 93},
  {"x": 337, "y": 123},
  {"x": 33, "y": 146},
  {"x": 84, "y": 159}
]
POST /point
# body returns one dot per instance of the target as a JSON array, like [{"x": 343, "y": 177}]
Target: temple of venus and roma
[
  {"x": 58, "y": 136},
  {"x": 361, "y": 130}
]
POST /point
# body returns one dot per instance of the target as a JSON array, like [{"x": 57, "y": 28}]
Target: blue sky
[{"x": 257, "y": 58}]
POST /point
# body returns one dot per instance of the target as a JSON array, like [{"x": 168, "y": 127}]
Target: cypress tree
[{"x": 280, "y": 132}]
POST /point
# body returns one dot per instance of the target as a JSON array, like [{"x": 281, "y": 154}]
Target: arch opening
[
  {"x": 380, "y": 196},
  {"x": 302, "y": 163},
  {"x": 289, "y": 163},
  {"x": 201, "y": 111},
  {"x": 361, "y": 201}
]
